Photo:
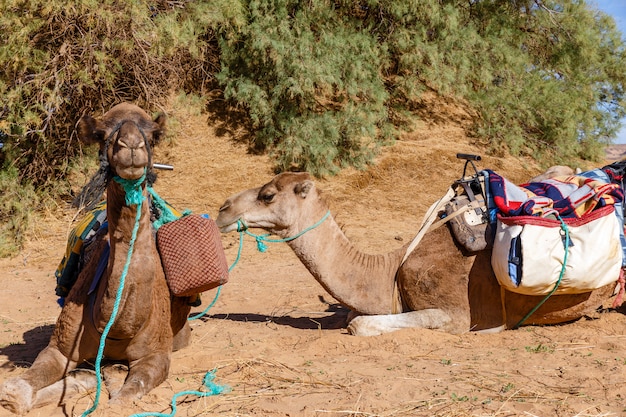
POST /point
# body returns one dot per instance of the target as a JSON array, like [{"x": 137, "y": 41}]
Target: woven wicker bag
[{"x": 192, "y": 255}]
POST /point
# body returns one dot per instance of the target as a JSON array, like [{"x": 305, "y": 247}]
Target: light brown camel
[
  {"x": 440, "y": 286},
  {"x": 150, "y": 323}
]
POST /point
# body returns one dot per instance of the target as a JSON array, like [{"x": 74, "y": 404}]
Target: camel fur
[
  {"x": 439, "y": 286},
  {"x": 150, "y": 323}
]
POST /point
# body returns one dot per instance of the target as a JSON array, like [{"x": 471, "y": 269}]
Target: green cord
[
  {"x": 134, "y": 196},
  {"x": 260, "y": 239},
  {"x": 166, "y": 214},
  {"x": 566, "y": 243},
  {"x": 214, "y": 389},
  {"x": 207, "y": 382}
]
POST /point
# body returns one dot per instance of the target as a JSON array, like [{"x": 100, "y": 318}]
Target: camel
[
  {"x": 150, "y": 323},
  {"x": 556, "y": 171},
  {"x": 439, "y": 286}
]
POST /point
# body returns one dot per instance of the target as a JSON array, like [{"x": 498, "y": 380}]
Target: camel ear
[
  {"x": 159, "y": 131},
  {"x": 90, "y": 131},
  {"x": 303, "y": 188}
]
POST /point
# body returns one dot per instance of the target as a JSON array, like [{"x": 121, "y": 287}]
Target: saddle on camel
[
  {"x": 118, "y": 305},
  {"x": 561, "y": 233}
]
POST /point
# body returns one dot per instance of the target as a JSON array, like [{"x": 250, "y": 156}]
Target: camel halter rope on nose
[
  {"x": 242, "y": 227},
  {"x": 134, "y": 196}
]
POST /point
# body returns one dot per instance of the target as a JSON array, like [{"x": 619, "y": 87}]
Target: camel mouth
[
  {"x": 228, "y": 227},
  {"x": 131, "y": 173}
]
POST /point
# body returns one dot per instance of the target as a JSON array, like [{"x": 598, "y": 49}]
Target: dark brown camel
[
  {"x": 150, "y": 323},
  {"x": 440, "y": 286}
]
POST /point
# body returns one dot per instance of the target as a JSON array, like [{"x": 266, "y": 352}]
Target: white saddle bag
[{"x": 528, "y": 253}]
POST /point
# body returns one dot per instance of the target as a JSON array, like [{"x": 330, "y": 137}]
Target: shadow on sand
[
  {"x": 21, "y": 354},
  {"x": 336, "y": 319}
]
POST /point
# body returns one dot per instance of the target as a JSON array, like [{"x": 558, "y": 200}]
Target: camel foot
[
  {"x": 16, "y": 395},
  {"x": 492, "y": 330},
  {"x": 114, "y": 376},
  {"x": 432, "y": 318},
  {"x": 127, "y": 394},
  {"x": 117, "y": 401}
]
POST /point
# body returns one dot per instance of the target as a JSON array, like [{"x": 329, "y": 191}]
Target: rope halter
[{"x": 261, "y": 239}]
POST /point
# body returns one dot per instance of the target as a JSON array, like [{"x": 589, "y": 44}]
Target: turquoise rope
[
  {"x": 213, "y": 389},
  {"x": 166, "y": 214},
  {"x": 260, "y": 239},
  {"x": 566, "y": 243},
  {"x": 133, "y": 196},
  {"x": 216, "y": 389},
  {"x": 242, "y": 228},
  {"x": 132, "y": 190}
]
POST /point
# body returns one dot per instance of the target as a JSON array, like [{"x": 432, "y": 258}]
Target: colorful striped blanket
[{"x": 569, "y": 197}]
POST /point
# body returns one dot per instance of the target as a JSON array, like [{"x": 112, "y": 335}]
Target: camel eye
[{"x": 267, "y": 198}]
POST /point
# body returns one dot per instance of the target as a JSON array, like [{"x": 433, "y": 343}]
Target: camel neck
[
  {"x": 121, "y": 215},
  {"x": 139, "y": 275},
  {"x": 361, "y": 281}
]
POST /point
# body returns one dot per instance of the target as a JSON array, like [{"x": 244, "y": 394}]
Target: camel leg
[
  {"x": 18, "y": 394},
  {"x": 432, "y": 318},
  {"x": 144, "y": 374},
  {"x": 182, "y": 339},
  {"x": 180, "y": 309},
  {"x": 79, "y": 381}
]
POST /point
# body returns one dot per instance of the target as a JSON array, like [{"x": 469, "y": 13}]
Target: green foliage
[
  {"x": 310, "y": 82},
  {"x": 324, "y": 83},
  {"x": 557, "y": 85},
  {"x": 16, "y": 205},
  {"x": 60, "y": 60}
]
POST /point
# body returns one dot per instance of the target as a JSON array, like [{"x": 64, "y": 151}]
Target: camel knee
[{"x": 16, "y": 395}]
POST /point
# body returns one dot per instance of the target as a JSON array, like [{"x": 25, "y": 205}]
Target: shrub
[
  {"x": 324, "y": 83},
  {"x": 310, "y": 82},
  {"x": 60, "y": 60}
]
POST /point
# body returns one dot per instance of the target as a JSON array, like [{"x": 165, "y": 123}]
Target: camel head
[
  {"x": 126, "y": 135},
  {"x": 276, "y": 206}
]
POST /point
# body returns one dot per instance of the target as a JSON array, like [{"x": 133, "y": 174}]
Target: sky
[{"x": 617, "y": 9}]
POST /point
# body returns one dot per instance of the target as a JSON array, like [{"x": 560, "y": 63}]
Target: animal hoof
[
  {"x": 363, "y": 326},
  {"x": 116, "y": 401},
  {"x": 133, "y": 389},
  {"x": 16, "y": 395},
  {"x": 120, "y": 398}
]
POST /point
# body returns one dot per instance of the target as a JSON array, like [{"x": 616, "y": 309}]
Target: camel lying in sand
[
  {"x": 150, "y": 323},
  {"x": 440, "y": 286}
]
